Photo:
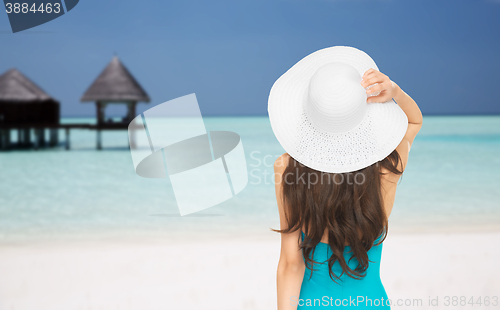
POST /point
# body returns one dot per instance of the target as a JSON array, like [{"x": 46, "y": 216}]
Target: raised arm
[
  {"x": 291, "y": 266},
  {"x": 411, "y": 109},
  {"x": 389, "y": 89}
]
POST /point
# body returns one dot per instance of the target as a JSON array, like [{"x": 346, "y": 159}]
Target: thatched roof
[
  {"x": 16, "y": 87},
  {"x": 115, "y": 83}
]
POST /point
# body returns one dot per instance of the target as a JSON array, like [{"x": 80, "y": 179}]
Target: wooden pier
[
  {"x": 27, "y": 109},
  {"x": 34, "y": 135}
]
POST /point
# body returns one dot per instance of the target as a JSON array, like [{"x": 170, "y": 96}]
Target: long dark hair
[{"x": 347, "y": 205}]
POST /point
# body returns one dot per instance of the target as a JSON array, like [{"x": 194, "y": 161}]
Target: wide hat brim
[{"x": 373, "y": 139}]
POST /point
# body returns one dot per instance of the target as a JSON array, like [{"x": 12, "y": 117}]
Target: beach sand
[{"x": 230, "y": 273}]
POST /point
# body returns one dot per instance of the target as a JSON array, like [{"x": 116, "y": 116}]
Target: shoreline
[
  {"x": 142, "y": 237},
  {"x": 235, "y": 273}
]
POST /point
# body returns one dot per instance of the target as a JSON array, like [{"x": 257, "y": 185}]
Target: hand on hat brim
[{"x": 375, "y": 81}]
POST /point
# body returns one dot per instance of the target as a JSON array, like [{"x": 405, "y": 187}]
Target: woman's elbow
[{"x": 287, "y": 267}]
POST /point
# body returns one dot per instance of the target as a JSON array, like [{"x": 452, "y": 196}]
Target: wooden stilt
[
  {"x": 67, "y": 138},
  {"x": 99, "y": 142},
  {"x": 7, "y": 139},
  {"x": 37, "y": 138},
  {"x": 2, "y": 142},
  {"x": 132, "y": 138},
  {"x": 19, "y": 136},
  {"x": 26, "y": 136},
  {"x": 54, "y": 137},
  {"x": 41, "y": 137}
]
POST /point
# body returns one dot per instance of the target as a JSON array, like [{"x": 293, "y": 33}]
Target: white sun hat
[{"x": 319, "y": 114}]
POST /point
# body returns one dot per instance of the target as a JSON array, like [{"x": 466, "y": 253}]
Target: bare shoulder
[
  {"x": 404, "y": 146},
  {"x": 389, "y": 180},
  {"x": 281, "y": 163},
  {"x": 403, "y": 150}
]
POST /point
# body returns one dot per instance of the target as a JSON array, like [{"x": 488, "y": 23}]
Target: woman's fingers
[
  {"x": 370, "y": 73},
  {"x": 377, "y": 82},
  {"x": 371, "y": 70},
  {"x": 376, "y": 88},
  {"x": 373, "y": 76},
  {"x": 383, "y": 97},
  {"x": 372, "y": 79}
]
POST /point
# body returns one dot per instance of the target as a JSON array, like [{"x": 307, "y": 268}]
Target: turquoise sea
[{"x": 452, "y": 182}]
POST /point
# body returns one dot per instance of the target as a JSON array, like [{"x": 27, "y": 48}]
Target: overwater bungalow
[
  {"x": 24, "y": 107},
  {"x": 115, "y": 85}
]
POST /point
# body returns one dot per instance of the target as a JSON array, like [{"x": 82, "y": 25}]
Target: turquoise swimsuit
[{"x": 320, "y": 292}]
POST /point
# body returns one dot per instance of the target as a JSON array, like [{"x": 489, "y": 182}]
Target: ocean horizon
[{"x": 450, "y": 184}]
